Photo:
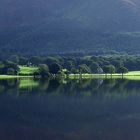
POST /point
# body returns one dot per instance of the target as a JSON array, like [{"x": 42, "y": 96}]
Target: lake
[{"x": 93, "y": 109}]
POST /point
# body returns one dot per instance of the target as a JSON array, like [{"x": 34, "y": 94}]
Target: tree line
[{"x": 72, "y": 64}]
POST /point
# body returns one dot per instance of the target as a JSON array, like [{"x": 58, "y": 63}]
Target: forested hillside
[
  {"x": 37, "y": 27},
  {"x": 63, "y": 42}
]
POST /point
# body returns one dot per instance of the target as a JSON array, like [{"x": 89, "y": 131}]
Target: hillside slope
[{"x": 61, "y": 26}]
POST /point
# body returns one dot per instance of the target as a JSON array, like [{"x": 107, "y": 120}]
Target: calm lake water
[{"x": 69, "y": 110}]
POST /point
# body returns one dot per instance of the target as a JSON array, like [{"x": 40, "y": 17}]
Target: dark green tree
[
  {"x": 9, "y": 65},
  {"x": 109, "y": 69},
  {"x": 83, "y": 68},
  {"x": 35, "y": 60},
  {"x": 43, "y": 70},
  {"x": 51, "y": 60},
  {"x": 23, "y": 61},
  {"x": 55, "y": 68},
  {"x": 10, "y": 71},
  {"x": 122, "y": 70},
  {"x": 94, "y": 67}
]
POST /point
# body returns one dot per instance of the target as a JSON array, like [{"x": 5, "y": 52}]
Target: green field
[
  {"x": 133, "y": 75},
  {"x": 27, "y": 70}
]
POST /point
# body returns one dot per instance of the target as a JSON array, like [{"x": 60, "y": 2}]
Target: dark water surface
[{"x": 69, "y": 110}]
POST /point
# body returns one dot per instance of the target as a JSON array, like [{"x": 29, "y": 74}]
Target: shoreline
[
  {"x": 14, "y": 76},
  {"x": 83, "y": 76},
  {"x": 104, "y": 76}
]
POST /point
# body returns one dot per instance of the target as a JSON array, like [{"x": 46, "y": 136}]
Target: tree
[
  {"x": 43, "y": 70},
  {"x": 55, "y": 68},
  {"x": 94, "y": 67},
  {"x": 51, "y": 60},
  {"x": 69, "y": 65},
  {"x": 73, "y": 70},
  {"x": 14, "y": 59},
  {"x": 8, "y": 65},
  {"x": 122, "y": 70},
  {"x": 36, "y": 60},
  {"x": 10, "y": 71},
  {"x": 116, "y": 62},
  {"x": 86, "y": 61},
  {"x": 83, "y": 68},
  {"x": 23, "y": 61},
  {"x": 109, "y": 69}
]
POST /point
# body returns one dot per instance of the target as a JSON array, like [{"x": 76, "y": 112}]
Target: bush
[{"x": 10, "y": 71}]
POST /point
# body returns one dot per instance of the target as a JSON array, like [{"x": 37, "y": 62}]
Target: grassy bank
[
  {"x": 133, "y": 75},
  {"x": 26, "y": 72},
  {"x": 13, "y": 76}
]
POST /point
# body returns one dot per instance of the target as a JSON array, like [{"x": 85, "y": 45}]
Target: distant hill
[{"x": 67, "y": 26}]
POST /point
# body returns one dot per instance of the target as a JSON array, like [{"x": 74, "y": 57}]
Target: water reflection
[
  {"x": 108, "y": 88},
  {"x": 100, "y": 109}
]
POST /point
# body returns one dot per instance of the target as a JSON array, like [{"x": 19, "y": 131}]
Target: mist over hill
[{"x": 68, "y": 26}]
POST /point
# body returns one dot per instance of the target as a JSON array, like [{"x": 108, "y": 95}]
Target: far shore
[
  {"x": 104, "y": 76},
  {"x": 14, "y": 76},
  {"x": 132, "y": 75}
]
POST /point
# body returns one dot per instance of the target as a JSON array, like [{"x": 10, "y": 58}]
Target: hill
[{"x": 62, "y": 26}]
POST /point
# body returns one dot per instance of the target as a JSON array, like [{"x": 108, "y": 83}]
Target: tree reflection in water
[{"x": 62, "y": 87}]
